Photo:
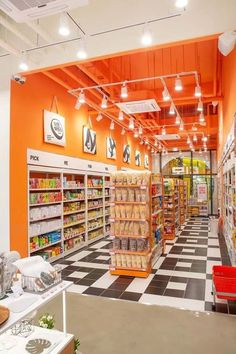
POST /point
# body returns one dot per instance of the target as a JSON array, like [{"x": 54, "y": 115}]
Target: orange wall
[
  {"x": 228, "y": 108},
  {"x": 27, "y": 104}
]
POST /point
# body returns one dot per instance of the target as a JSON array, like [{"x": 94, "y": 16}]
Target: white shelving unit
[{"x": 70, "y": 215}]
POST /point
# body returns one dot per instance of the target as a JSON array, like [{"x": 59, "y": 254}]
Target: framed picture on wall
[
  {"x": 126, "y": 153},
  {"x": 89, "y": 141},
  {"x": 54, "y": 128},
  {"x": 146, "y": 161},
  {"x": 111, "y": 148},
  {"x": 137, "y": 158}
]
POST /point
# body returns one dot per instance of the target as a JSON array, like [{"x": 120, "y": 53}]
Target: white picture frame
[
  {"x": 54, "y": 128},
  {"x": 126, "y": 153},
  {"x": 146, "y": 161},
  {"x": 89, "y": 140},
  {"x": 111, "y": 148},
  {"x": 137, "y": 158}
]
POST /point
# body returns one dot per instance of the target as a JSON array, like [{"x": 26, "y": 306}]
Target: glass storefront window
[
  {"x": 201, "y": 163},
  {"x": 176, "y": 163}
]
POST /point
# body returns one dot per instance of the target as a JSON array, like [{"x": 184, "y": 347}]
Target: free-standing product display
[
  {"x": 171, "y": 208},
  {"x": 133, "y": 246},
  {"x": 67, "y": 211},
  {"x": 182, "y": 201}
]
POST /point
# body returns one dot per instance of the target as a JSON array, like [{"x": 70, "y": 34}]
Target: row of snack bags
[
  {"x": 129, "y": 261},
  {"x": 129, "y": 195},
  {"x": 130, "y": 244},
  {"x": 126, "y": 178},
  {"x": 129, "y": 228},
  {"x": 129, "y": 211}
]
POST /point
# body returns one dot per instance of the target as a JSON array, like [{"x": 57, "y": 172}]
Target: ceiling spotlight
[
  {"x": 123, "y": 131},
  {"x": 131, "y": 123},
  {"x": 178, "y": 84},
  {"x": 194, "y": 128},
  {"x": 200, "y": 151},
  {"x": 177, "y": 119},
  {"x": 181, "y": 3},
  {"x": 155, "y": 143},
  {"x": 148, "y": 147},
  {"x": 200, "y": 106},
  {"x": 181, "y": 127},
  {"x": 81, "y": 97},
  {"x": 146, "y": 141},
  {"x": 152, "y": 151},
  {"x": 198, "y": 91},
  {"x": 82, "y": 53},
  {"x": 195, "y": 137},
  {"x": 104, "y": 102},
  {"x": 172, "y": 109},
  {"x": 140, "y": 130},
  {"x": 146, "y": 38},
  {"x": 188, "y": 140},
  {"x": 136, "y": 133},
  {"x": 141, "y": 142},
  {"x": 112, "y": 125},
  {"x": 121, "y": 115},
  {"x": 163, "y": 131},
  {"x": 204, "y": 138},
  {"x": 64, "y": 29},
  {"x": 99, "y": 117},
  {"x": 77, "y": 104},
  {"x": 165, "y": 94},
  {"x": 23, "y": 64},
  {"x": 175, "y": 149},
  {"x": 124, "y": 91},
  {"x": 201, "y": 118}
]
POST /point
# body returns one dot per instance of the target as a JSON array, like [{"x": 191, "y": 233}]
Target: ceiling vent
[
  {"x": 167, "y": 137},
  {"x": 25, "y": 10},
  {"x": 143, "y": 106}
]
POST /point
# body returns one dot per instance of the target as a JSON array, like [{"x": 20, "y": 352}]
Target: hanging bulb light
[
  {"x": 198, "y": 91},
  {"x": 104, "y": 102},
  {"x": 136, "y": 133},
  {"x": 123, "y": 131},
  {"x": 155, "y": 143},
  {"x": 99, "y": 117},
  {"x": 124, "y": 91},
  {"x": 195, "y": 137},
  {"x": 64, "y": 29},
  {"x": 200, "y": 151},
  {"x": 165, "y": 94},
  {"x": 194, "y": 128},
  {"x": 141, "y": 142},
  {"x": 140, "y": 130},
  {"x": 82, "y": 53},
  {"x": 77, "y": 104},
  {"x": 181, "y": 3},
  {"x": 175, "y": 149},
  {"x": 204, "y": 138},
  {"x": 177, "y": 119},
  {"x": 81, "y": 97},
  {"x": 172, "y": 109},
  {"x": 163, "y": 131},
  {"x": 200, "y": 106},
  {"x": 148, "y": 147},
  {"x": 23, "y": 64},
  {"x": 112, "y": 125},
  {"x": 146, "y": 141},
  {"x": 131, "y": 123},
  {"x": 146, "y": 38},
  {"x": 121, "y": 115},
  {"x": 188, "y": 140},
  {"x": 152, "y": 151},
  {"x": 178, "y": 84},
  {"x": 181, "y": 127},
  {"x": 201, "y": 118}
]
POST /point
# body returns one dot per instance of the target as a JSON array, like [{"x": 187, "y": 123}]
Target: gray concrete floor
[{"x": 107, "y": 326}]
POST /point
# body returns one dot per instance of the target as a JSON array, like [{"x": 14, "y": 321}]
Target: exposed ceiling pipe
[
  {"x": 15, "y": 31},
  {"x": 38, "y": 29},
  {"x": 9, "y": 48}
]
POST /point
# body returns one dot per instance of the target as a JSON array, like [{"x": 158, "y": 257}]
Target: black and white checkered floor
[{"x": 181, "y": 278}]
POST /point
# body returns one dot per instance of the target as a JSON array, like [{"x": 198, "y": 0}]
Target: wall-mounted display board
[
  {"x": 54, "y": 128},
  {"x": 68, "y": 208}
]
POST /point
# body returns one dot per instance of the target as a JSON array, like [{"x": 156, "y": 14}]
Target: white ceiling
[{"x": 201, "y": 18}]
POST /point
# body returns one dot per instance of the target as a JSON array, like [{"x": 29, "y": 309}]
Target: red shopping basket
[{"x": 224, "y": 283}]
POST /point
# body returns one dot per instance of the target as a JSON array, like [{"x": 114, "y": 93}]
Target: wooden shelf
[
  {"x": 46, "y": 246},
  {"x": 74, "y": 223},
  {"x": 74, "y": 212}
]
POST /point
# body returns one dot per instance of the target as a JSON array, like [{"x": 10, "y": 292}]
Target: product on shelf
[
  {"x": 73, "y": 218},
  {"x": 98, "y": 222},
  {"x": 76, "y": 230},
  {"x": 42, "y": 227},
  {"x": 38, "y": 242},
  {"x": 44, "y": 183},
  {"x": 128, "y": 261},
  {"x": 95, "y": 203},
  {"x": 73, "y": 243},
  {"x": 45, "y": 197},
  {"x": 93, "y": 193},
  {"x": 95, "y": 182},
  {"x": 73, "y": 207},
  {"x": 69, "y": 195},
  {"x": 95, "y": 233},
  {"x": 44, "y": 212},
  {"x": 171, "y": 208},
  {"x": 74, "y": 183},
  {"x": 50, "y": 252}
]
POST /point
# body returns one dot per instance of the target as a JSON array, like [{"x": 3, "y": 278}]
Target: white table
[{"x": 40, "y": 301}]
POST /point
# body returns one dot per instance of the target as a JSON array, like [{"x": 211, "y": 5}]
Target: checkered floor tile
[{"x": 181, "y": 278}]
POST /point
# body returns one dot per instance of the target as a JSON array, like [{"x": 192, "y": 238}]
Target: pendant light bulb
[
  {"x": 201, "y": 118},
  {"x": 148, "y": 147},
  {"x": 172, "y": 109},
  {"x": 200, "y": 106},
  {"x": 135, "y": 133},
  {"x": 188, "y": 140},
  {"x": 64, "y": 29},
  {"x": 81, "y": 97},
  {"x": 163, "y": 132},
  {"x": 99, "y": 117},
  {"x": 104, "y": 102},
  {"x": 178, "y": 84},
  {"x": 23, "y": 64},
  {"x": 194, "y": 128},
  {"x": 165, "y": 95},
  {"x": 146, "y": 141},
  {"x": 146, "y": 38},
  {"x": 181, "y": 127},
  {"x": 141, "y": 142},
  {"x": 195, "y": 137},
  {"x": 152, "y": 151},
  {"x": 198, "y": 92},
  {"x": 177, "y": 120},
  {"x": 121, "y": 115},
  {"x": 124, "y": 91},
  {"x": 112, "y": 125},
  {"x": 155, "y": 143},
  {"x": 140, "y": 130},
  {"x": 123, "y": 131},
  {"x": 82, "y": 53},
  {"x": 131, "y": 123},
  {"x": 181, "y": 3},
  {"x": 77, "y": 104}
]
